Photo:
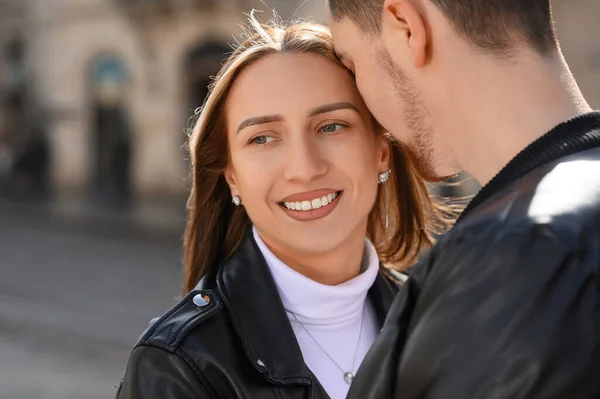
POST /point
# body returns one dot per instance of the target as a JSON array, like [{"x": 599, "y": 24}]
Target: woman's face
[{"x": 303, "y": 154}]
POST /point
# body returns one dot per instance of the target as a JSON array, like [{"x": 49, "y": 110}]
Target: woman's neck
[
  {"x": 316, "y": 303},
  {"x": 333, "y": 267}
]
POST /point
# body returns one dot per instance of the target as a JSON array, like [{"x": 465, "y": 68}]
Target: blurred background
[{"x": 95, "y": 96}]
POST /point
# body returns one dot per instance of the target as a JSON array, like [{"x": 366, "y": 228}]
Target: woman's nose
[{"x": 305, "y": 161}]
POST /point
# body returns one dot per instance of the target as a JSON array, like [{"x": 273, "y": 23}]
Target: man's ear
[{"x": 404, "y": 23}]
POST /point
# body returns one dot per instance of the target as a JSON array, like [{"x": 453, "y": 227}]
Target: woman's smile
[{"x": 311, "y": 205}]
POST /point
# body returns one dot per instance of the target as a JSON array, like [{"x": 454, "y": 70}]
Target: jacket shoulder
[
  {"x": 563, "y": 196},
  {"x": 170, "y": 330}
]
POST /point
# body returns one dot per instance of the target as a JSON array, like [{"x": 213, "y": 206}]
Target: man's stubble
[{"x": 419, "y": 145}]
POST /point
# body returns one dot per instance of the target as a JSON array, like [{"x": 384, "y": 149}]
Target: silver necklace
[{"x": 348, "y": 375}]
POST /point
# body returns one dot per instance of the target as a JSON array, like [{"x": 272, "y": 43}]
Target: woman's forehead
[{"x": 290, "y": 83}]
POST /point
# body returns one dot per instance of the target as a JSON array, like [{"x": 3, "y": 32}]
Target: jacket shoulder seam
[{"x": 172, "y": 328}]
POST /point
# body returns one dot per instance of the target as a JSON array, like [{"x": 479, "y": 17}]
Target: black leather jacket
[
  {"x": 506, "y": 305},
  {"x": 230, "y": 338}
]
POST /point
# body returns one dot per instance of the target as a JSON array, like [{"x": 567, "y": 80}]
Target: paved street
[{"x": 72, "y": 304}]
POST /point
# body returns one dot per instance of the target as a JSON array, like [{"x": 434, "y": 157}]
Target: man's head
[{"x": 411, "y": 58}]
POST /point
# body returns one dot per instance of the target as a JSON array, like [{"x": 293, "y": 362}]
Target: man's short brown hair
[{"x": 492, "y": 25}]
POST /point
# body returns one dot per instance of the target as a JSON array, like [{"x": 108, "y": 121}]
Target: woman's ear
[
  {"x": 231, "y": 180},
  {"x": 384, "y": 150}
]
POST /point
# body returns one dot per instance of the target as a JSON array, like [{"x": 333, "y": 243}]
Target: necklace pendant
[{"x": 348, "y": 377}]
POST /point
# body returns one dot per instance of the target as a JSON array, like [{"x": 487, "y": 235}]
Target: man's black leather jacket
[{"x": 507, "y": 304}]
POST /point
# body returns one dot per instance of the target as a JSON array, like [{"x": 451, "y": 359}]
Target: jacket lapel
[{"x": 258, "y": 316}]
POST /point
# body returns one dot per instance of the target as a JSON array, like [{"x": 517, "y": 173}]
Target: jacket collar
[
  {"x": 258, "y": 316},
  {"x": 575, "y": 135}
]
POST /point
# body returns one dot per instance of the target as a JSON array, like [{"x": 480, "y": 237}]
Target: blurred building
[
  {"x": 95, "y": 95},
  {"x": 116, "y": 82}
]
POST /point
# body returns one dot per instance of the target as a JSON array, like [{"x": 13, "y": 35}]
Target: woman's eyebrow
[
  {"x": 322, "y": 109},
  {"x": 259, "y": 120},
  {"x": 333, "y": 107}
]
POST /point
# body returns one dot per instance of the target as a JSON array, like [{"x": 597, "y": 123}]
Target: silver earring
[
  {"x": 237, "y": 200},
  {"x": 383, "y": 178}
]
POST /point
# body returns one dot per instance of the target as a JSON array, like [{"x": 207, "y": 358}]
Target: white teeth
[{"x": 314, "y": 204}]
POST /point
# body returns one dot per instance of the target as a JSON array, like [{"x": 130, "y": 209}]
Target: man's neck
[{"x": 513, "y": 105}]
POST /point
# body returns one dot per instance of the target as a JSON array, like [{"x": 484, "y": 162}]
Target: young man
[{"x": 507, "y": 304}]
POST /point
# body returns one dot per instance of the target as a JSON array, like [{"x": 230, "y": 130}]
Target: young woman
[{"x": 297, "y": 201}]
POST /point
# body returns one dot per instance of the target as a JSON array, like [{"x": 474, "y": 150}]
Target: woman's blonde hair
[{"x": 215, "y": 226}]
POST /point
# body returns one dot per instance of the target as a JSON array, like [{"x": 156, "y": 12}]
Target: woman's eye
[
  {"x": 332, "y": 128},
  {"x": 261, "y": 140}
]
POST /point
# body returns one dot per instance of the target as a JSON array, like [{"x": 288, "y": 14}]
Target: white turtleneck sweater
[{"x": 333, "y": 316}]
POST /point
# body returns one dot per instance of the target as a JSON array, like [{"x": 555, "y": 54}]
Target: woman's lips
[{"x": 314, "y": 209}]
